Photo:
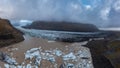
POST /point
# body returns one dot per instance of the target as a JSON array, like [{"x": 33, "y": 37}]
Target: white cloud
[
  {"x": 88, "y": 7},
  {"x": 105, "y": 10},
  {"x": 75, "y": 6},
  {"x": 105, "y": 13},
  {"x": 24, "y": 22},
  {"x": 117, "y": 6}
]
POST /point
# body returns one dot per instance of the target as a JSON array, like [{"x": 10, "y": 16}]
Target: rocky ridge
[{"x": 9, "y": 34}]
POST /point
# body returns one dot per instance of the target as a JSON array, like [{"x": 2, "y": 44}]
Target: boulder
[{"x": 9, "y": 34}]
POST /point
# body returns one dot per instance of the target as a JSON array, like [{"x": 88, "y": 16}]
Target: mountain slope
[
  {"x": 62, "y": 26},
  {"x": 9, "y": 34}
]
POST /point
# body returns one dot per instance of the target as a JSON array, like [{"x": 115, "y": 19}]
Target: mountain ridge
[
  {"x": 62, "y": 26},
  {"x": 9, "y": 34}
]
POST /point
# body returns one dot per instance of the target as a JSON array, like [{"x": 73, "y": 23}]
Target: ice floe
[
  {"x": 69, "y": 56},
  {"x": 57, "y": 52},
  {"x": 6, "y": 58},
  {"x": 34, "y": 53}
]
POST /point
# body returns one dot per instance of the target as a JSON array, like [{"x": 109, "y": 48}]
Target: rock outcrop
[
  {"x": 105, "y": 53},
  {"x": 113, "y": 52},
  {"x": 9, "y": 34},
  {"x": 97, "y": 49},
  {"x": 62, "y": 26}
]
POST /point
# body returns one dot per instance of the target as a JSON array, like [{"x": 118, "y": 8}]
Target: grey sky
[{"x": 98, "y": 12}]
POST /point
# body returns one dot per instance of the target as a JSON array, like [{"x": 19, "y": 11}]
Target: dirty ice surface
[{"x": 81, "y": 58}]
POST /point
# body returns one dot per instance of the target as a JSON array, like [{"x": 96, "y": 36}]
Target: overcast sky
[{"x": 98, "y": 12}]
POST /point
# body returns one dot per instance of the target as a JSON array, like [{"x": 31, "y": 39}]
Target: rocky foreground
[
  {"x": 40, "y": 53},
  {"x": 9, "y": 34}
]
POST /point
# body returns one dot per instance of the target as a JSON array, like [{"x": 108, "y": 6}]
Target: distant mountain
[
  {"x": 9, "y": 34},
  {"x": 62, "y": 26}
]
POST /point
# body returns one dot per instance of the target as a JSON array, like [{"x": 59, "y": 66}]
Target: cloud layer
[{"x": 98, "y": 12}]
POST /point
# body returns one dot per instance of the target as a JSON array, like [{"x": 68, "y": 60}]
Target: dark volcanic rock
[
  {"x": 113, "y": 52},
  {"x": 98, "y": 48},
  {"x": 105, "y": 53},
  {"x": 62, "y": 26},
  {"x": 9, "y": 34}
]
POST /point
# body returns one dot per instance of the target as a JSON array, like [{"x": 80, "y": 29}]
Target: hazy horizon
[{"x": 103, "y": 13}]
